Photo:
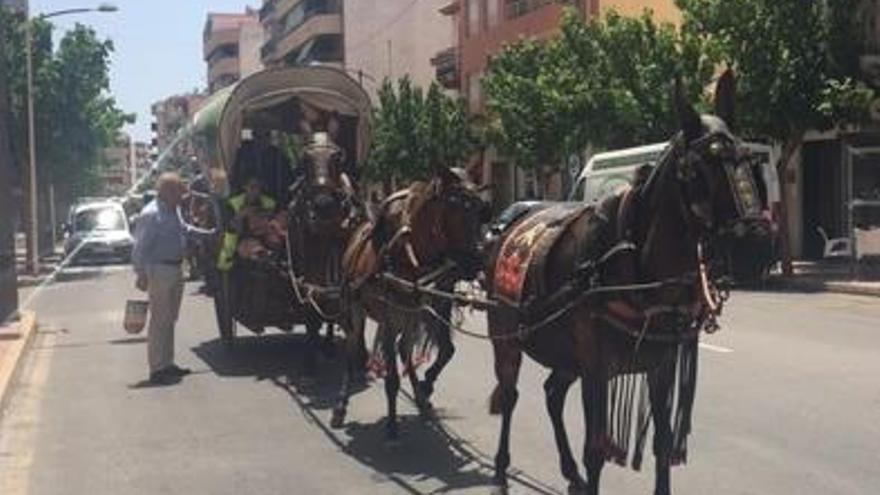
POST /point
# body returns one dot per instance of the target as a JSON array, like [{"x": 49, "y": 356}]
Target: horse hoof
[
  {"x": 577, "y": 488},
  {"x": 426, "y": 410},
  {"x": 338, "y": 419}
]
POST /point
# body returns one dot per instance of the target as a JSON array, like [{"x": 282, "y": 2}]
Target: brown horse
[
  {"x": 619, "y": 297},
  {"x": 431, "y": 229}
]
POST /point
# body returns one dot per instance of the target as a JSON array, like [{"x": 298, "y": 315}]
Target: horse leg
[
  {"x": 555, "y": 390},
  {"x": 392, "y": 379},
  {"x": 594, "y": 394},
  {"x": 445, "y": 350},
  {"x": 508, "y": 358},
  {"x": 660, "y": 387},
  {"x": 313, "y": 328},
  {"x": 405, "y": 350},
  {"x": 327, "y": 342},
  {"x": 354, "y": 336}
]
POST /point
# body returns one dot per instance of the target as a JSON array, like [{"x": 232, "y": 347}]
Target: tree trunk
[
  {"x": 783, "y": 167},
  {"x": 8, "y": 280}
]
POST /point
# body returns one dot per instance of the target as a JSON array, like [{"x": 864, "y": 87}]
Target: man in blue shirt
[{"x": 157, "y": 255}]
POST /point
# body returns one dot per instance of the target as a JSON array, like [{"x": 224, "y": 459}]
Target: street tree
[
  {"x": 8, "y": 281},
  {"x": 415, "y": 131},
  {"x": 795, "y": 64},
  {"x": 530, "y": 112},
  {"x": 601, "y": 82},
  {"x": 75, "y": 116}
]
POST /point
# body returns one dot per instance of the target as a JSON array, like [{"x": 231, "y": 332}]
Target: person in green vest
[{"x": 243, "y": 205}]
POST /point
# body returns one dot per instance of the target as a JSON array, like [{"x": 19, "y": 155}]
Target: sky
[{"x": 158, "y": 47}]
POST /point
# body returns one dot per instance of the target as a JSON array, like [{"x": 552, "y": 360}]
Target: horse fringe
[
  {"x": 629, "y": 411},
  {"x": 413, "y": 333}
]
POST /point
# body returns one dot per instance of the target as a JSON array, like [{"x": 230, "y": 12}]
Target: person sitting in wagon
[{"x": 256, "y": 230}]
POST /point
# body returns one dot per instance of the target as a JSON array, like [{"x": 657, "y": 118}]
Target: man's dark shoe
[
  {"x": 163, "y": 377},
  {"x": 175, "y": 370}
]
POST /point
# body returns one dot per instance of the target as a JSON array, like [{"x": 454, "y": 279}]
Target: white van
[{"x": 606, "y": 173}]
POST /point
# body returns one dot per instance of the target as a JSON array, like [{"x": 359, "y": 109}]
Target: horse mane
[{"x": 648, "y": 191}]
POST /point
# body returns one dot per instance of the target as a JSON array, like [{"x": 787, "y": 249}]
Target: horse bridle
[{"x": 737, "y": 169}]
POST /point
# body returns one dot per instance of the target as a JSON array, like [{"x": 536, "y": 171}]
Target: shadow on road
[
  {"x": 128, "y": 341},
  {"x": 424, "y": 451},
  {"x": 427, "y": 451}
]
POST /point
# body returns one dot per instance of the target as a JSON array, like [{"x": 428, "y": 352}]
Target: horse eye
[{"x": 716, "y": 148}]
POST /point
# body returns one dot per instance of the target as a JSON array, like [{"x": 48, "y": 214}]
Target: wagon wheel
[{"x": 223, "y": 310}]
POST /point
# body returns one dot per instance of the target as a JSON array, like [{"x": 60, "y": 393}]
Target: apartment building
[
  {"x": 482, "y": 28},
  {"x": 116, "y": 175},
  {"x": 394, "y": 38},
  {"x": 371, "y": 39},
  {"x": 231, "y": 47},
  {"x": 485, "y": 26},
  {"x": 300, "y": 32},
  {"x": 172, "y": 114}
]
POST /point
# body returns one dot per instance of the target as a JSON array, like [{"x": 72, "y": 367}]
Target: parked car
[
  {"x": 507, "y": 217},
  {"x": 98, "y": 232},
  {"x": 750, "y": 255}
]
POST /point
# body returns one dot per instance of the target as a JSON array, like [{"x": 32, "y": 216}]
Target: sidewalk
[
  {"x": 829, "y": 277},
  {"x": 14, "y": 340},
  {"x": 47, "y": 265}
]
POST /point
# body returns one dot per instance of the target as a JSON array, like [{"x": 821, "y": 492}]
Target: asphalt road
[{"x": 788, "y": 403}]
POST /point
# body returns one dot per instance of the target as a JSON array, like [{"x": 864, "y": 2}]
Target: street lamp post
[{"x": 33, "y": 260}]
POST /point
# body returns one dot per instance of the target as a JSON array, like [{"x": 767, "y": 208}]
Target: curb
[
  {"x": 814, "y": 285},
  {"x": 9, "y": 367}
]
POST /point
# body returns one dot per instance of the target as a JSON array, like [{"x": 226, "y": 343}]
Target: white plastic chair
[{"x": 836, "y": 248}]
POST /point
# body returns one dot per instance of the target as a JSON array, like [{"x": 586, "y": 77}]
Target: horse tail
[{"x": 495, "y": 401}]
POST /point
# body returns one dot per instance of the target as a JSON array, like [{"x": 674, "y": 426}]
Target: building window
[
  {"x": 222, "y": 52},
  {"x": 473, "y": 14},
  {"x": 492, "y": 12},
  {"x": 517, "y": 8}
]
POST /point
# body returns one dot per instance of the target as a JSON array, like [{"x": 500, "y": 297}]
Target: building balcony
[
  {"x": 218, "y": 39},
  {"x": 221, "y": 68},
  {"x": 267, "y": 9},
  {"x": 314, "y": 25},
  {"x": 446, "y": 68}
]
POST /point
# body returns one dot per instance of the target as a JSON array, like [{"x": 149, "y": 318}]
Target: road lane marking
[{"x": 716, "y": 348}]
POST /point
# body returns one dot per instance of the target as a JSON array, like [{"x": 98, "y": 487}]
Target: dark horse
[
  {"x": 430, "y": 230},
  {"x": 633, "y": 344},
  {"x": 323, "y": 212}
]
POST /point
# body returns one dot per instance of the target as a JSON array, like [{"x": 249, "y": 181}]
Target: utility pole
[
  {"x": 8, "y": 278},
  {"x": 33, "y": 244}
]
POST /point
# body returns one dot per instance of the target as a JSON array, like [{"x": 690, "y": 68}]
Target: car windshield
[{"x": 99, "y": 219}]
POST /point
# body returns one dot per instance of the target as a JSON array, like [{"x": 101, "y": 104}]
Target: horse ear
[
  {"x": 725, "y": 98},
  {"x": 688, "y": 118},
  {"x": 445, "y": 174}
]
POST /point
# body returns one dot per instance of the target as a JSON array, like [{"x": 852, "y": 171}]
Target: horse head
[
  {"x": 460, "y": 214},
  {"x": 324, "y": 193},
  {"x": 712, "y": 166},
  {"x": 321, "y": 212}
]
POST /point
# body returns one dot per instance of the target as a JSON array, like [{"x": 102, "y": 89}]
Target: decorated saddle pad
[{"x": 527, "y": 244}]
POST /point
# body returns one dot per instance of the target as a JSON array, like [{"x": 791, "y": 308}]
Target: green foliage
[
  {"x": 792, "y": 58},
  {"x": 603, "y": 82},
  {"x": 415, "y": 132},
  {"x": 75, "y": 116}
]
